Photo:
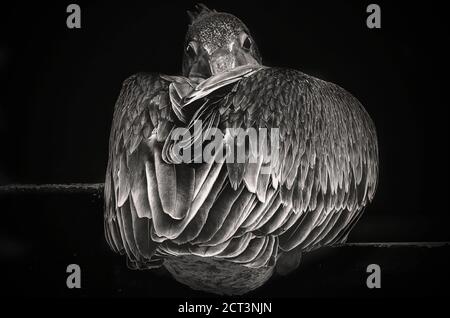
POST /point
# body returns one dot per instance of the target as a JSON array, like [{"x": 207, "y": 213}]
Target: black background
[{"x": 59, "y": 86}]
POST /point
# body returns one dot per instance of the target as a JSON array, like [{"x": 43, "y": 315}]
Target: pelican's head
[{"x": 217, "y": 42}]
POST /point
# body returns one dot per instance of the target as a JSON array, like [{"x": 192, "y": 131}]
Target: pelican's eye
[
  {"x": 191, "y": 50},
  {"x": 246, "y": 42}
]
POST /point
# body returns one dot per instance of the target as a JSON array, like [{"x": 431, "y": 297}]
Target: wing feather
[
  {"x": 327, "y": 166},
  {"x": 140, "y": 108}
]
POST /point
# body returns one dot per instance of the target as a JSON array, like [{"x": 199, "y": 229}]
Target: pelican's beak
[{"x": 229, "y": 57}]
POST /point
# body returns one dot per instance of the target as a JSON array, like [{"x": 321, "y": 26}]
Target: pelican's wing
[
  {"x": 324, "y": 165},
  {"x": 142, "y": 110}
]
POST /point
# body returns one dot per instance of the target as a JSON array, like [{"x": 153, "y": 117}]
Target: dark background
[{"x": 59, "y": 86}]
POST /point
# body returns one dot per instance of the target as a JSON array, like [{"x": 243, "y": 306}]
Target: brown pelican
[{"x": 225, "y": 226}]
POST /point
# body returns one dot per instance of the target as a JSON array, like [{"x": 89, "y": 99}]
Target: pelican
[{"x": 226, "y": 226}]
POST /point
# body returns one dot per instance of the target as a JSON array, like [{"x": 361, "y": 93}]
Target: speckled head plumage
[{"x": 216, "y": 42}]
